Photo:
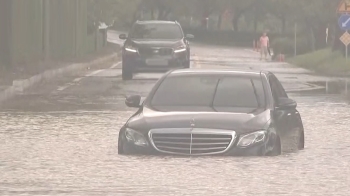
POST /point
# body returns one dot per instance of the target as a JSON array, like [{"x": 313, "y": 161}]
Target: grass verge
[{"x": 323, "y": 61}]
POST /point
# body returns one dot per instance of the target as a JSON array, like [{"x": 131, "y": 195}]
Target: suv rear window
[{"x": 156, "y": 31}]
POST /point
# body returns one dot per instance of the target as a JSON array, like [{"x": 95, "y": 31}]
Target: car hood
[
  {"x": 241, "y": 122},
  {"x": 156, "y": 43}
]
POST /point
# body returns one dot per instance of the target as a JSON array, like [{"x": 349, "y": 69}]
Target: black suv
[{"x": 154, "y": 46}]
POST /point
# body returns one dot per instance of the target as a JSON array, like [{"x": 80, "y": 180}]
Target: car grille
[
  {"x": 155, "y": 51},
  {"x": 192, "y": 141}
]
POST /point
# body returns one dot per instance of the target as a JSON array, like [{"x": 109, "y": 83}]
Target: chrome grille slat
[
  {"x": 215, "y": 148},
  {"x": 210, "y": 144},
  {"x": 188, "y": 138},
  {"x": 187, "y": 141},
  {"x": 176, "y": 143},
  {"x": 219, "y": 139},
  {"x": 177, "y": 138},
  {"x": 174, "y": 148}
]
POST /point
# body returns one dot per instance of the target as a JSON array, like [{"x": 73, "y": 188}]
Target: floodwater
[{"x": 75, "y": 153}]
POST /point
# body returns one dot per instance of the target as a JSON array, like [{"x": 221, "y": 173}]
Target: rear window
[
  {"x": 210, "y": 91},
  {"x": 156, "y": 31}
]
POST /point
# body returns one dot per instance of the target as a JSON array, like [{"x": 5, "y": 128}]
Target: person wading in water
[{"x": 264, "y": 46}]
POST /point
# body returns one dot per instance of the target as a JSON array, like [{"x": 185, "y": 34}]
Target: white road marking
[
  {"x": 115, "y": 65},
  {"x": 61, "y": 88},
  {"x": 195, "y": 63},
  {"x": 76, "y": 80},
  {"x": 94, "y": 73}
]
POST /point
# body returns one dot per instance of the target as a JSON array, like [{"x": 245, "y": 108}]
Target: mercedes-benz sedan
[{"x": 213, "y": 112}]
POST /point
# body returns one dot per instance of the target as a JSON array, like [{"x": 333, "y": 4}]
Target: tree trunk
[
  {"x": 162, "y": 14},
  {"x": 255, "y": 22},
  {"x": 219, "y": 22},
  {"x": 235, "y": 23},
  {"x": 337, "y": 44},
  {"x": 5, "y": 32},
  {"x": 312, "y": 38},
  {"x": 255, "y": 18},
  {"x": 283, "y": 21},
  {"x": 152, "y": 14},
  {"x": 166, "y": 14},
  {"x": 236, "y": 16}
]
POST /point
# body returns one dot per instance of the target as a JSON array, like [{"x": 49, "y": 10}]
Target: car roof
[
  {"x": 233, "y": 72},
  {"x": 155, "y": 22}
]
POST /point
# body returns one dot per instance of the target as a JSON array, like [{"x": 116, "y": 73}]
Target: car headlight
[
  {"x": 135, "y": 137},
  {"x": 252, "y": 138},
  {"x": 131, "y": 49},
  {"x": 180, "y": 49}
]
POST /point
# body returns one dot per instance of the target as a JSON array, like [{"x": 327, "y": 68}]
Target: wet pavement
[{"x": 61, "y": 139}]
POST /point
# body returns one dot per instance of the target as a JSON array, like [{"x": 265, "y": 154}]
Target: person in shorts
[{"x": 264, "y": 46}]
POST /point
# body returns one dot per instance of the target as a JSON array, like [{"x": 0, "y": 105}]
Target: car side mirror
[
  {"x": 133, "y": 101},
  {"x": 189, "y": 36},
  {"x": 123, "y": 36},
  {"x": 286, "y": 104}
]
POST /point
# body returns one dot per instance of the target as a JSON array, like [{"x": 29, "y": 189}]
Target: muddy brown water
[{"x": 75, "y": 153}]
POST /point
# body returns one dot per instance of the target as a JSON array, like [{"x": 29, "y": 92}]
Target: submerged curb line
[{"x": 19, "y": 86}]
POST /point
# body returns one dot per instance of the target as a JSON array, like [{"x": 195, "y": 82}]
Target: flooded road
[{"x": 65, "y": 143}]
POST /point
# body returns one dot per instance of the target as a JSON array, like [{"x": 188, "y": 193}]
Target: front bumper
[
  {"x": 139, "y": 64},
  {"x": 256, "y": 150},
  {"x": 259, "y": 149}
]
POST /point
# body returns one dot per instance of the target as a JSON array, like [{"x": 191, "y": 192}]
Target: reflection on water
[{"x": 76, "y": 154}]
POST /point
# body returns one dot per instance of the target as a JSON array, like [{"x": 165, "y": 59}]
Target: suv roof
[{"x": 155, "y": 22}]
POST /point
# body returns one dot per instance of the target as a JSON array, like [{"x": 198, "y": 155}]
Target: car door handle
[{"x": 289, "y": 114}]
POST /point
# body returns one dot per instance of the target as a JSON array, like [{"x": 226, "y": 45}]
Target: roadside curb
[
  {"x": 19, "y": 86},
  {"x": 195, "y": 61},
  {"x": 304, "y": 89}
]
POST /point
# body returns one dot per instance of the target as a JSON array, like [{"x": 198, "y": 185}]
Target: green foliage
[
  {"x": 278, "y": 16},
  {"x": 282, "y": 45},
  {"x": 286, "y": 45},
  {"x": 323, "y": 61},
  {"x": 109, "y": 11}
]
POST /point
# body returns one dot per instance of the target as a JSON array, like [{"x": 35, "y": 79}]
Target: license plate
[{"x": 157, "y": 62}]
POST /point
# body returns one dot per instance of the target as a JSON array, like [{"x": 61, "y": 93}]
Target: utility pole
[
  {"x": 295, "y": 39},
  {"x": 76, "y": 35},
  {"x": 46, "y": 28}
]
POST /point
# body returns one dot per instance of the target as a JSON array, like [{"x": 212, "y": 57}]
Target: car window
[
  {"x": 156, "y": 31},
  {"x": 210, "y": 91},
  {"x": 239, "y": 92},
  {"x": 277, "y": 89},
  {"x": 280, "y": 88},
  {"x": 185, "y": 91}
]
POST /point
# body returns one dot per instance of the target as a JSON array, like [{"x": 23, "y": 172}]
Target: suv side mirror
[
  {"x": 189, "y": 36},
  {"x": 286, "y": 104},
  {"x": 133, "y": 101},
  {"x": 123, "y": 36}
]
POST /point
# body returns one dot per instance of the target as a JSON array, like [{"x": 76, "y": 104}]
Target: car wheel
[
  {"x": 120, "y": 146},
  {"x": 301, "y": 144},
  {"x": 187, "y": 64},
  {"x": 276, "y": 151},
  {"x": 126, "y": 72}
]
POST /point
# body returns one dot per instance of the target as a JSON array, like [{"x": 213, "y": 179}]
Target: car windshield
[
  {"x": 156, "y": 31},
  {"x": 217, "y": 92}
]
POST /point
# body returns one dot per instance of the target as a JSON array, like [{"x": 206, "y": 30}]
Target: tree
[
  {"x": 109, "y": 11},
  {"x": 282, "y": 9},
  {"x": 239, "y": 7}
]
